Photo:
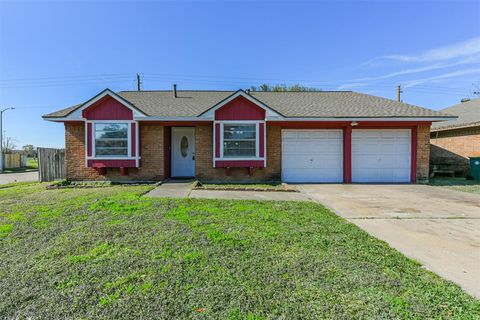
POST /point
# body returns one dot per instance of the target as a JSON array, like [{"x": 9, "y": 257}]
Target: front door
[{"x": 183, "y": 152}]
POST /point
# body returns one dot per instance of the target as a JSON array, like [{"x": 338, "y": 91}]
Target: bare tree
[{"x": 9, "y": 144}]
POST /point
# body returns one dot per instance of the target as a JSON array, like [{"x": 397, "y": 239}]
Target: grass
[
  {"x": 274, "y": 186},
  {"x": 111, "y": 253},
  {"x": 32, "y": 165},
  {"x": 459, "y": 184}
]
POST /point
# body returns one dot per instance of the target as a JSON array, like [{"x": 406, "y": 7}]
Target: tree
[
  {"x": 9, "y": 144},
  {"x": 29, "y": 150},
  {"x": 283, "y": 88}
]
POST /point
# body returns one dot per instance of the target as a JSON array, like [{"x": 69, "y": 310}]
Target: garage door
[
  {"x": 312, "y": 155},
  {"x": 381, "y": 155}
]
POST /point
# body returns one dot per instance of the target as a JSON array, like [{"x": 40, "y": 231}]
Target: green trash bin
[{"x": 475, "y": 168}]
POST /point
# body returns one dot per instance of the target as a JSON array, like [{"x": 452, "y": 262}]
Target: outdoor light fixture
[{"x": 354, "y": 123}]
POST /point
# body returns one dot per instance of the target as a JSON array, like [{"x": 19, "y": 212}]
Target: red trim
[
  {"x": 347, "y": 154},
  {"x": 111, "y": 163},
  {"x": 217, "y": 140},
  {"x": 107, "y": 108},
  {"x": 134, "y": 140},
  {"x": 240, "y": 108},
  {"x": 342, "y": 124},
  {"x": 177, "y": 123},
  {"x": 89, "y": 139},
  {"x": 261, "y": 143},
  {"x": 239, "y": 163},
  {"x": 167, "y": 151},
  {"x": 413, "y": 168}
]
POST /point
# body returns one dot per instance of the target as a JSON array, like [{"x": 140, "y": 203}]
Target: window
[
  {"x": 111, "y": 139},
  {"x": 239, "y": 140}
]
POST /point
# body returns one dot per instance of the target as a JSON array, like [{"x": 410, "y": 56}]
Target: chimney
[{"x": 174, "y": 90}]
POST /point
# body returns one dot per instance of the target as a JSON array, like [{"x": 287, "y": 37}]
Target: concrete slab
[
  {"x": 249, "y": 195},
  {"x": 438, "y": 227},
  {"x": 18, "y": 177},
  {"x": 172, "y": 189}
]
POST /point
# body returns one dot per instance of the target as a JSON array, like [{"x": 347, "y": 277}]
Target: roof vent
[
  {"x": 465, "y": 100},
  {"x": 174, "y": 90}
]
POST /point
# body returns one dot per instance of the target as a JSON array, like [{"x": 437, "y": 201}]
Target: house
[
  {"x": 452, "y": 142},
  {"x": 326, "y": 137}
]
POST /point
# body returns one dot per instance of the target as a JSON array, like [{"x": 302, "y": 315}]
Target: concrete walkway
[
  {"x": 18, "y": 177},
  {"x": 436, "y": 226},
  {"x": 183, "y": 189}
]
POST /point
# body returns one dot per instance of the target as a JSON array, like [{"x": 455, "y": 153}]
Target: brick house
[
  {"x": 452, "y": 142},
  {"x": 325, "y": 136}
]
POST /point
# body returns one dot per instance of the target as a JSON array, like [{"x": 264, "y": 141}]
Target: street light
[{"x": 1, "y": 138}]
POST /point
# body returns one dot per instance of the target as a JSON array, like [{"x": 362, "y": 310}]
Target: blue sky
[{"x": 56, "y": 54}]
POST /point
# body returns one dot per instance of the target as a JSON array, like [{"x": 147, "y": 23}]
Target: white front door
[
  {"x": 312, "y": 155},
  {"x": 381, "y": 155},
  {"x": 183, "y": 152}
]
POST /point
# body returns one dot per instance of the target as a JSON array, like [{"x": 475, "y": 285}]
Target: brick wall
[
  {"x": 204, "y": 159},
  {"x": 453, "y": 147},
  {"x": 423, "y": 153},
  {"x": 152, "y": 162}
]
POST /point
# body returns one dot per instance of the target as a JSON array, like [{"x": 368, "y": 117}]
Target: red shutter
[
  {"x": 217, "y": 140},
  {"x": 261, "y": 144},
  {"x": 89, "y": 139},
  {"x": 134, "y": 140}
]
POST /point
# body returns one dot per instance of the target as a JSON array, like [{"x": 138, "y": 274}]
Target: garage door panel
[
  {"x": 312, "y": 155},
  {"x": 381, "y": 155}
]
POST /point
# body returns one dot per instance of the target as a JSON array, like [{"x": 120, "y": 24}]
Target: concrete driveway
[
  {"x": 438, "y": 227},
  {"x": 18, "y": 177}
]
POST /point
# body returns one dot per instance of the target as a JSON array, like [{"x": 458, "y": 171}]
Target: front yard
[
  {"x": 459, "y": 184},
  {"x": 111, "y": 253}
]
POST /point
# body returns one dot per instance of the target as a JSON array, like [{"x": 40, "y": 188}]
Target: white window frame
[
  {"x": 257, "y": 140},
  {"x": 129, "y": 142}
]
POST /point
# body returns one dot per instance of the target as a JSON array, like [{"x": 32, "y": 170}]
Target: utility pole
[
  {"x": 399, "y": 92},
  {"x": 139, "y": 82},
  {"x": 1, "y": 137}
]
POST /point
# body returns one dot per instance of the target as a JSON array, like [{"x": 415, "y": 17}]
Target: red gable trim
[
  {"x": 240, "y": 108},
  {"x": 107, "y": 108}
]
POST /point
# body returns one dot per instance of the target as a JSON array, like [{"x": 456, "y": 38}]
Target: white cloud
[
  {"x": 445, "y": 76},
  {"x": 462, "y": 49}
]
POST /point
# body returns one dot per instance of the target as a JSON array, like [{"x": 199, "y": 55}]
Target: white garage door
[
  {"x": 381, "y": 155},
  {"x": 312, "y": 155}
]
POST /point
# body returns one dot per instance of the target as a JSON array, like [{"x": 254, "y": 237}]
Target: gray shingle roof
[
  {"x": 318, "y": 104},
  {"x": 468, "y": 115}
]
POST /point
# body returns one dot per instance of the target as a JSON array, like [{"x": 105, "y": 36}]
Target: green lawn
[
  {"x": 459, "y": 184},
  {"x": 111, "y": 253}
]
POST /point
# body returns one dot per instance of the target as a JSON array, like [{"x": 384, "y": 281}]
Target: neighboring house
[
  {"x": 455, "y": 140},
  {"x": 239, "y": 136}
]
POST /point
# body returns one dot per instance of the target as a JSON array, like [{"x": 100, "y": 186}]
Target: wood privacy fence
[
  {"x": 51, "y": 164},
  {"x": 14, "y": 160}
]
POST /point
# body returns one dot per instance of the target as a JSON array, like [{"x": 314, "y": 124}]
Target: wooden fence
[
  {"x": 51, "y": 164},
  {"x": 14, "y": 160}
]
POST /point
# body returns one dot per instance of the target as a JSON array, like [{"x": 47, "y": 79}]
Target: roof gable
[
  {"x": 211, "y": 112},
  {"x": 240, "y": 109}
]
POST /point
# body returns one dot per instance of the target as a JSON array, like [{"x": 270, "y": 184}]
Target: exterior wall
[
  {"x": 204, "y": 159},
  {"x": 151, "y": 150},
  {"x": 240, "y": 109},
  {"x": 108, "y": 109},
  {"x": 423, "y": 153},
  {"x": 451, "y": 148}
]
